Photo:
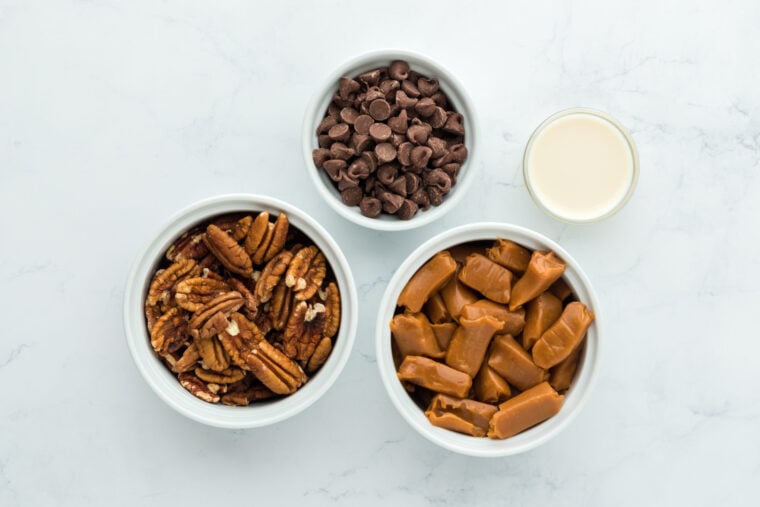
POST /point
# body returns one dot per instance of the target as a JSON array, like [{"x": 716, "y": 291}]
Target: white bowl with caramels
[{"x": 488, "y": 339}]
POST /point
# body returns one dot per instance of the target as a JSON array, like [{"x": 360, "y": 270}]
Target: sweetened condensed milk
[{"x": 580, "y": 165}]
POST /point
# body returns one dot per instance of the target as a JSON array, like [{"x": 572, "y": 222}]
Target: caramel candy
[
  {"x": 414, "y": 336},
  {"x": 444, "y": 333},
  {"x": 525, "y": 410},
  {"x": 487, "y": 277},
  {"x": 510, "y": 255},
  {"x": 540, "y": 313},
  {"x": 489, "y": 386},
  {"x": 435, "y": 376},
  {"x": 561, "y": 289},
  {"x": 562, "y": 375},
  {"x": 465, "y": 416},
  {"x": 470, "y": 342},
  {"x": 544, "y": 269},
  {"x": 456, "y": 296},
  {"x": 563, "y": 336},
  {"x": 513, "y": 322},
  {"x": 462, "y": 251},
  {"x": 427, "y": 280},
  {"x": 511, "y": 361},
  {"x": 436, "y": 310}
]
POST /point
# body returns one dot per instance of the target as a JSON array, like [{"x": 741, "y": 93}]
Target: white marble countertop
[{"x": 113, "y": 115}]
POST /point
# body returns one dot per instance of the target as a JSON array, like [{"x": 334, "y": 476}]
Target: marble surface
[{"x": 113, "y": 115}]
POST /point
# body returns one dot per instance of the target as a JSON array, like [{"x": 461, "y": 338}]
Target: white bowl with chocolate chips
[
  {"x": 390, "y": 140},
  {"x": 241, "y": 311},
  {"x": 488, "y": 339}
]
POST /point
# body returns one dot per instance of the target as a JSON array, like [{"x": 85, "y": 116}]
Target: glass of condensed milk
[{"x": 580, "y": 165}]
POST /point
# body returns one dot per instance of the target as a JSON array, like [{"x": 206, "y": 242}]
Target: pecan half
[
  {"x": 256, "y": 233},
  {"x": 320, "y": 355},
  {"x": 306, "y": 272},
  {"x": 212, "y": 353},
  {"x": 152, "y": 314},
  {"x": 244, "y": 398},
  {"x": 189, "y": 246},
  {"x": 332, "y": 310},
  {"x": 271, "y": 274},
  {"x": 279, "y": 235},
  {"x": 164, "y": 280},
  {"x": 228, "y": 251},
  {"x": 226, "y": 303},
  {"x": 280, "y": 305},
  {"x": 187, "y": 361},
  {"x": 258, "y": 255},
  {"x": 169, "y": 333},
  {"x": 193, "y": 293},
  {"x": 228, "y": 376},
  {"x": 241, "y": 228},
  {"x": 249, "y": 299},
  {"x": 303, "y": 330},
  {"x": 197, "y": 387}
]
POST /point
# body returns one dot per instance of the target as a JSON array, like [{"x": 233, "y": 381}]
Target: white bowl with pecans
[
  {"x": 241, "y": 311},
  {"x": 575, "y": 391},
  {"x": 460, "y": 169}
]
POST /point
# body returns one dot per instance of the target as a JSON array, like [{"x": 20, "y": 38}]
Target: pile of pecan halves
[{"x": 243, "y": 309}]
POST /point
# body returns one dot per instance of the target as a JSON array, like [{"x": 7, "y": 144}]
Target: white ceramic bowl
[
  {"x": 574, "y": 398},
  {"x": 458, "y": 98},
  {"x": 165, "y": 384}
]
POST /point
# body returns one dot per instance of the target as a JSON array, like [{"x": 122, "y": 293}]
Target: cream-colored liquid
[{"x": 580, "y": 166}]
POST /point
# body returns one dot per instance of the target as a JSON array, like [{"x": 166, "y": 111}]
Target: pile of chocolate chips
[{"x": 390, "y": 143}]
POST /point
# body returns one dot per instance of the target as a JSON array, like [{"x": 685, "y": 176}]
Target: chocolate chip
[
  {"x": 333, "y": 168},
  {"x": 435, "y": 195},
  {"x": 425, "y": 107},
  {"x": 400, "y": 123},
  {"x": 399, "y": 70},
  {"x": 404, "y": 153},
  {"x": 341, "y": 151},
  {"x": 438, "y": 118},
  {"x": 361, "y": 142},
  {"x": 342, "y": 102},
  {"x": 440, "y": 99},
  {"x": 363, "y": 122},
  {"x": 348, "y": 115},
  {"x": 386, "y": 174},
  {"x": 458, "y": 153},
  {"x": 370, "y": 78},
  {"x": 324, "y": 141},
  {"x": 420, "y": 156},
  {"x": 407, "y": 210},
  {"x": 391, "y": 202},
  {"x": 421, "y": 198},
  {"x": 369, "y": 184},
  {"x": 346, "y": 181},
  {"x": 404, "y": 100},
  {"x": 379, "y": 132},
  {"x": 340, "y": 132},
  {"x": 453, "y": 123},
  {"x": 452, "y": 170},
  {"x": 352, "y": 196},
  {"x": 385, "y": 152},
  {"x": 427, "y": 86},
  {"x": 410, "y": 88},
  {"x": 398, "y": 186},
  {"x": 438, "y": 146},
  {"x": 319, "y": 156},
  {"x": 359, "y": 169},
  {"x": 389, "y": 87},
  {"x": 379, "y": 109},
  {"x": 347, "y": 86},
  {"x": 417, "y": 134},
  {"x": 439, "y": 179},
  {"x": 371, "y": 160},
  {"x": 325, "y": 124},
  {"x": 374, "y": 93},
  {"x": 370, "y": 207},
  {"x": 333, "y": 111},
  {"x": 413, "y": 183}
]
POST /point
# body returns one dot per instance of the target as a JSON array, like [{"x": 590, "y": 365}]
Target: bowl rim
[
  {"x": 457, "y": 95},
  {"x": 164, "y": 383},
  {"x": 575, "y": 397}
]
